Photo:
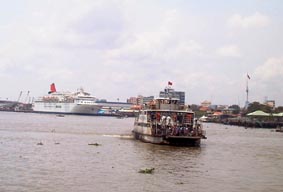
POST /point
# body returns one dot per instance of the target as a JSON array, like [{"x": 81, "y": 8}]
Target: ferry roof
[
  {"x": 168, "y": 110},
  {"x": 166, "y": 98}
]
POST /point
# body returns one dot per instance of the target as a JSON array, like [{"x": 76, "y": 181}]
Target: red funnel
[{"x": 52, "y": 88}]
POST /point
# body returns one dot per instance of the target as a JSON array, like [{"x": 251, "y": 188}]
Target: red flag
[{"x": 170, "y": 83}]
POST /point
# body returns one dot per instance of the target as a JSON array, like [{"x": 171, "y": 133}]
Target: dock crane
[
  {"x": 26, "y": 99},
  {"x": 19, "y": 96}
]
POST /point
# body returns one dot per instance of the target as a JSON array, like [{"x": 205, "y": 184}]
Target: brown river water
[{"x": 47, "y": 153}]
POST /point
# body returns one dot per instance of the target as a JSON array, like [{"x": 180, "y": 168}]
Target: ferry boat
[
  {"x": 165, "y": 121},
  {"x": 79, "y": 103}
]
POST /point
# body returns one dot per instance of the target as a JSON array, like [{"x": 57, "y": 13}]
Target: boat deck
[{"x": 183, "y": 137}]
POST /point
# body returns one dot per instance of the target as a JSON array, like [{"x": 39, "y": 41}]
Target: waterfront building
[
  {"x": 168, "y": 91},
  {"x": 133, "y": 100},
  {"x": 206, "y": 106},
  {"x": 144, "y": 100},
  {"x": 140, "y": 100},
  {"x": 270, "y": 103},
  {"x": 205, "y": 103},
  {"x": 148, "y": 99}
]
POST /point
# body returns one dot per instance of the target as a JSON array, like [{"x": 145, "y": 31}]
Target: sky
[{"x": 117, "y": 49}]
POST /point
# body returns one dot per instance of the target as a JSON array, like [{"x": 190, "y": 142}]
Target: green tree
[
  {"x": 279, "y": 109},
  {"x": 236, "y": 109},
  {"x": 257, "y": 106},
  {"x": 194, "y": 107}
]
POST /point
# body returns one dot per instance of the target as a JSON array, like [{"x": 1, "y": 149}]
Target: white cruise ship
[{"x": 79, "y": 103}]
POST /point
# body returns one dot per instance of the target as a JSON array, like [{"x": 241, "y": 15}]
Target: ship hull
[
  {"x": 143, "y": 134},
  {"x": 66, "y": 108}
]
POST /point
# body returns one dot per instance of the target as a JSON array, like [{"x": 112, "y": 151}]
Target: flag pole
[{"x": 247, "y": 90}]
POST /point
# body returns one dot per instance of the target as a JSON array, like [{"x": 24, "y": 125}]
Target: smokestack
[{"x": 52, "y": 88}]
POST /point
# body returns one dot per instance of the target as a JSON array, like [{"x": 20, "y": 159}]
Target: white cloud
[
  {"x": 124, "y": 48},
  {"x": 256, "y": 20},
  {"x": 270, "y": 70},
  {"x": 229, "y": 51},
  {"x": 266, "y": 81},
  {"x": 165, "y": 41}
]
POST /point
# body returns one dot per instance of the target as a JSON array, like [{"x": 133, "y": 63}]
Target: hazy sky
[{"x": 122, "y": 48}]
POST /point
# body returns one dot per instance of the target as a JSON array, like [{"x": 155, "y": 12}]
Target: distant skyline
[{"x": 122, "y": 48}]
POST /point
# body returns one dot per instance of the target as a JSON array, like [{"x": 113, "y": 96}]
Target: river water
[{"x": 47, "y": 153}]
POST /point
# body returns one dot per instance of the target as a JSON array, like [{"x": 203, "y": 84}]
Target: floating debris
[
  {"x": 94, "y": 144},
  {"x": 146, "y": 170},
  {"x": 40, "y": 143},
  {"x": 56, "y": 143}
]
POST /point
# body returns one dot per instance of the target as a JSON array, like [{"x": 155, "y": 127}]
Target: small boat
[
  {"x": 203, "y": 118},
  {"x": 165, "y": 121},
  {"x": 279, "y": 129}
]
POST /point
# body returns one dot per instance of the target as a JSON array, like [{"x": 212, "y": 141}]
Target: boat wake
[{"x": 125, "y": 136}]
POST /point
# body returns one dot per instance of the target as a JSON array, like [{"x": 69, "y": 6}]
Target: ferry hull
[
  {"x": 168, "y": 140},
  {"x": 148, "y": 138}
]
